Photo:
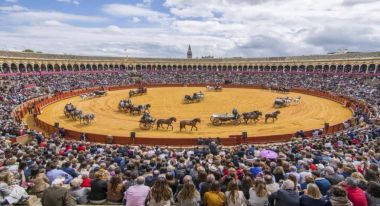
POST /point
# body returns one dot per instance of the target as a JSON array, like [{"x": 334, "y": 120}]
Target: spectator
[
  {"x": 79, "y": 193},
  {"x": 338, "y": 197},
  {"x": 373, "y": 194},
  {"x": 57, "y": 195},
  {"x": 323, "y": 184},
  {"x": 354, "y": 193},
  {"x": 235, "y": 197},
  {"x": 258, "y": 196},
  {"x": 214, "y": 197},
  {"x": 312, "y": 197},
  {"x": 136, "y": 195},
  {"x": 115, "y": 190},
  {"x": 160, "y": 194},
  {"x": 188, "y": 196},
  {"x": 271, "y": 186},
  {"x": 285, "y": 196},
  {"x": 38, "y": 181},
  {"x": 98, "y": 194}
]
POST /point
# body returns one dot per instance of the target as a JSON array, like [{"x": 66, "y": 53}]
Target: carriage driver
[
  {"x": 146, "y": 117},
  {"x": 235, "y": 113}
]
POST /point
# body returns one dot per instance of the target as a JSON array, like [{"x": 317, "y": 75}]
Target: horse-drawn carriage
[
  {"x": 197, "y": 97},
  {"x": 72, "y": 112},
  {"x": 96, "y": 93},
  {"x": 279, "y": 89},
  {"x": 125, "y": 104},
  {"x": 146, "y": 121},
  {"x": 280, "y": 102},
  {"x": 218, "y": 119},
  {"x": 138, "y": 91},
  {"x": 214, "y": 88}
]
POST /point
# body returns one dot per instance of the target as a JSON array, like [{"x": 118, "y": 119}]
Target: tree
[{"x": 28, "y": 50}]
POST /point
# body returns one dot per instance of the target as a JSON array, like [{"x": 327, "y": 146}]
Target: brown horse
[
  {"x": 272, "y": 115},
  {"x": 192, "y": 123},
  {"x": 168, "y": 122}
]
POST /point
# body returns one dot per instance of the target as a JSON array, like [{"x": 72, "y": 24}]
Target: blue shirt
[{"x": 54, "y": 173}]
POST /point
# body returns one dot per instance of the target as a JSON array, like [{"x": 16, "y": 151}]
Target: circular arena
[{"x": 311, "y": 113}]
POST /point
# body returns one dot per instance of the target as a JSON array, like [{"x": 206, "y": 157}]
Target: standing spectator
[
  {"x": 136, "y": 195},
  {"x": 214, "y": 197},
  {"x": 258, "y": 196},
  {"x": 188, "y": 196},
  {"x": 57, "y": 195},
  {"x": 98, "y": 194},
  {"x": 235, "y": 197},
  {"x": 160, "y": 194},
  {"x": 312, "y": 197},
  {"x": 285, "y": 196},
  {"x": 338, "y": 197}
]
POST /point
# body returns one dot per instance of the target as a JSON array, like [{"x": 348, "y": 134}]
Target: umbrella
[{"x": 269, "y": 154}]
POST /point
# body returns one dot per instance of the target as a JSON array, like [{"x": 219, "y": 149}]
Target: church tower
[{"x": 189, "y": 53}]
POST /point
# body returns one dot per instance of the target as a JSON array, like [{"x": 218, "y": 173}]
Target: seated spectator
[
  {"x": 271, "y": 186},
  {"x": 188, "y": 196},
  {"x": 115, "y": 190},
  {"x": 373, "y": 194},
  {"x": 98, "y": 193},
  {"x": 258, "y": 196},
  {"x": 38, "y": 181},
  {"x": 333, "y": 177},
  {"x": 234, "y": 196},
  {"x": 54, "y": 173},
  {"x": 323, "y": 184},
  {"x": 136, "y": 195},
  {"x": 160, "y": 194},
  {"x": 362, "y": 183},
  {"x": 79, "y": 193},
  {"x": 285, "y": 196},
  {"x": 338, "y": 197},
  {"x": 57, "y": 195},
  {"x": 312, "y": 196},
  {"x": 354, "y": 193},
  {"x": 214, "y": 197},
  {"x": 86, "y": 181}
]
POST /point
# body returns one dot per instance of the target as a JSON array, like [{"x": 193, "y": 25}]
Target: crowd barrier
[{"x": 40, "y": 102}]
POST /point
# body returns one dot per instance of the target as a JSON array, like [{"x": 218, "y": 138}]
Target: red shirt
[
  {"x": 81, "y": 148},
  {"x": 86, "y": 182},
  {"x": 356, "y": 196}
]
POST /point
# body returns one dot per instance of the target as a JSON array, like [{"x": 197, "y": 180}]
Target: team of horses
[
  {"x": 97, "y": 93},
  {"x": 74, "y": 113}
]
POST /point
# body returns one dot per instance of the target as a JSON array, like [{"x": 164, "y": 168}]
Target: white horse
[{"x": 297, "y": 100}]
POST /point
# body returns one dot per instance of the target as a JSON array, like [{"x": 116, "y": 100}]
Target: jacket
[
  {"x": 57, "y": 196},
  {"x": 284, "y": 198},
  {"x": 339, "y": 201},
  {"x": 98, "y": 190}
]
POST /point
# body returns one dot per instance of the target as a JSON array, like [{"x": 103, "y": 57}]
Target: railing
[{"x": 231, "y": 140}]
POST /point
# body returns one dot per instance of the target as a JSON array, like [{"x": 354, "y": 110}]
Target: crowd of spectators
[{"x": 341, "y": 169}]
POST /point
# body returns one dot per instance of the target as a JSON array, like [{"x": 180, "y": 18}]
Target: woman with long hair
[
  {"x": 214, "y": 197},
  {"x": 160, "y": 194},
  {"x": 362, "y": 182},
  {"x": 312, "y": 196},
  {"x": 235, "y": 197},
  {"x": 258, "y": 195},
  {"x": 246, "y": 185},
  {"x": 188, "y": 196},
  {"x": 115, "y": 189},
  {"x": 279, "y": 173}
]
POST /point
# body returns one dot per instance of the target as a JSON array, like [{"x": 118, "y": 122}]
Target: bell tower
[{"x": 189, "y": 53}]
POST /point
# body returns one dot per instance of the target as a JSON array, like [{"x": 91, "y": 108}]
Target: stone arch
[
  {"x": 100, "y": 67},
  {"x": 29, "y": 68},
  {"x": 21, "y": 68},
  {"x": 14, "y": 68},
  {"x": 105, "y": 67},
  {"x": 295, "y": 68},
  {"x": 287, "y": 68},
  {"x": 347, "y": 68},
  {"x": 339, "y": 68},
  {"x": 36, "y": 68},
  {"x": 6, "y": 68},
  {"x": 88, "y": 67},
  {"x": 82, "y": 67},
  {"x": 363, "y": 68},
  {"x": 280, "y": 68},
  {"x": 333, "y": 68},
  {"x": 309, "y": 68},
  {"x": 63, "y": 68},
  {"x": 371, "y": 68},
  {"x": 378, "y": 69},
  {"x": 69, "y": 67},
  {"x": 50, "y": 68},
  {"x": 355, "y": 68},
  {"x": 76, "y": 67},
  {"x": 43, "y": 68},
  {"x": 57, "y": 68},
  {"x": 326, "y": 68},
  {"x": 318, "y": 68},
  {"x": 122, "y": 67}
]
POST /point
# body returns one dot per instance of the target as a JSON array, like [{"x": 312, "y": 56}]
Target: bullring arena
[{"x": 166, "y": 102}]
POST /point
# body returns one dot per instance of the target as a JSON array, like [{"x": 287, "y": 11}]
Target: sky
[{"x": 165, "y": 28}]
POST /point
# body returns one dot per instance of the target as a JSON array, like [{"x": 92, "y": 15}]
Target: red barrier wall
[{"x": 232, "y": 140}]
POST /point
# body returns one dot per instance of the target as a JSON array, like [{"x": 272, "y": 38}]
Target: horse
[
  {"x": 86, "y": 118},
  {"x": 75, "y": 114},
  {"x": 135, "y": 109},
  {"x": 145, "y": 107},
  {"x": 192, "y": 123},
  {"x": 168, "y": 122},
  {"x": 297, "y": 100},
  {"x": 255, "y": 115},
  {"x": 272, "y": 115}
]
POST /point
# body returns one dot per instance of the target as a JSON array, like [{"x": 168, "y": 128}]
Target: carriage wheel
[
  {"x": 145, "y": 126},
  {"x": 212, "y": 118},
  {"x": 237, "y": 121},
  {"x": 217, "y": 122}
]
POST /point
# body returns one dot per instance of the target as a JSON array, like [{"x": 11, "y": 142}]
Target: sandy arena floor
[{"x": 312, "y": 113}]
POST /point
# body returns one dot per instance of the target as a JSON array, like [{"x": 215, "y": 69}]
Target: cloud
[
  {"x": 75, "y": 2},
  {"x": 125, "y": 10},
  {"x": 11, "y": 1},
  {"x": 13, "y": 8}
]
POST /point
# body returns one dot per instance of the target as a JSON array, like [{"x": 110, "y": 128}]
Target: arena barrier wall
[{"x": 42, "y": 102}]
